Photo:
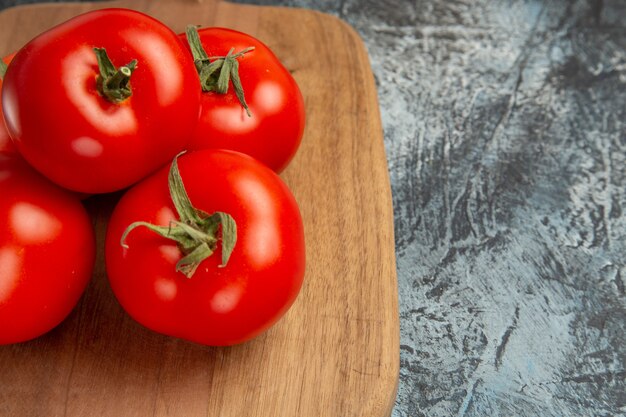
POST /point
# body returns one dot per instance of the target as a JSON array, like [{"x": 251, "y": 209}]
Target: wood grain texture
[{"x": 336, "y": 351}]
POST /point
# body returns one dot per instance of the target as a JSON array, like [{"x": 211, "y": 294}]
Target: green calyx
[
  {"x": 216, "y": 73},
  {"x": 113, "y": 83},
  {"x": 196, "y": 232},
  {"x": 3, "y": 69}
]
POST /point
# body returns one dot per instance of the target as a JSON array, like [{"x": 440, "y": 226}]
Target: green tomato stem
[
  {"x": 195, "y": 231},
  {"x": 216, "y": 73},
  {"x": 3, "y": 69},
  {"x": 113, "y": 83}
]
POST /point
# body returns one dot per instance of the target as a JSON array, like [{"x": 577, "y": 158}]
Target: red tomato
[
  {"x": 218, "y": 305},
  {"x": 47, "y": 252},
  {"x": 6, "y": 146},
  {"x": 274, "y": 131},
  {"x": 66, "y": 129}
]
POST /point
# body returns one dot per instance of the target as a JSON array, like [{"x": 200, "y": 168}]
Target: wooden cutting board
[{"x": 336, "y": 352}]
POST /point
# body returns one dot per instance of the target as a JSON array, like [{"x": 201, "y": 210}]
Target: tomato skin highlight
[
  {"x": 274, "y": 132},
  {"x": 74, "y": 136},
  {"x": 217, "y": 305},
  {"x": 47, "y": 252}
]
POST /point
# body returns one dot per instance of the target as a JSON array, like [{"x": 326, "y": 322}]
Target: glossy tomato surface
[
  {"x": 274, "y": 132},
  {"x": 73, "y": 135},
  {"x": 6, "y": 146},
  {"x": 47, "y": 252},
  {"x": 218, "y": 305}
]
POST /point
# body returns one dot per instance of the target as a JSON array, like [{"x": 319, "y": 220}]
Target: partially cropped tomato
[
  {"x": 102, "y": 100},
  {"x": 47, "y": 252},
  {"x": 6, "y": 146},
  {"x": 202, "y": 284},
  {"x": 273, "y": 130}
]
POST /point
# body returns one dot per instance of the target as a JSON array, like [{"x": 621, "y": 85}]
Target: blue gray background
[{"x": 506, "y": 141}]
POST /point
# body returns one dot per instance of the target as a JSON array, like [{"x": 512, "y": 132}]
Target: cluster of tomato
[{"x": 205, "y": 245}]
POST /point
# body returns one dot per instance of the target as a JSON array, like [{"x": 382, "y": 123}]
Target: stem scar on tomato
[
  {"x": 196, "y": 231},
  {"x": 216, "y": 72},
  {"x": 113, "y": 83}
]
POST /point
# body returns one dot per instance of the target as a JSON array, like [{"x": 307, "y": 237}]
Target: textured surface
[
  {"x": 506, "y": 143},
  {"x": 506, "y": 139}
]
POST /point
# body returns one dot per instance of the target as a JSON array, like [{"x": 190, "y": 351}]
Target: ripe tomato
[
  {"x": 47, "y": 252},
  {"x": 217, "y": 305},
  {"x": 6, "y": 146},
  {"x": 273, "y": 132},
  {"x": 60, "y": 121}
]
